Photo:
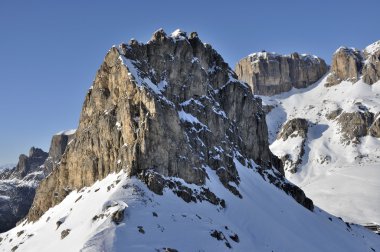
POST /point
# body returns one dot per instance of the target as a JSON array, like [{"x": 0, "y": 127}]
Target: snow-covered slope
[
  {"x": 265, "y": 219},
  {"x": 340, "y": 176}
]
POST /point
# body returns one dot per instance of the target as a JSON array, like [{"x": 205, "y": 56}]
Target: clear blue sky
[{"x": 50, "y": 50}]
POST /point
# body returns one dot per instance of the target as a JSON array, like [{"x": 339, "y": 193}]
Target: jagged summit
[{"x": 178, "y": 34}]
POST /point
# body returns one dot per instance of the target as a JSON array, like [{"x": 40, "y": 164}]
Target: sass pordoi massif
[{"x": 175, "y": 151}]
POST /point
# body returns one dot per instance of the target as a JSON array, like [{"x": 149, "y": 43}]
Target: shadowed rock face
[
  {"x": 58, "y": 146},
  {"x": 270, "y": 74},
  {"x": 349, "y": 64},
  {"x": 171, "y": 107}
]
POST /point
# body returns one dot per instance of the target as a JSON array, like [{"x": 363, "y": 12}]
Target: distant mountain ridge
[{"x": 19, "y": 182}]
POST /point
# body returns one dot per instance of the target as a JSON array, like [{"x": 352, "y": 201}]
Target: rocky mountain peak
[
  {"x": 167, "y": 111},
  {"x": 272, "y": 73}
]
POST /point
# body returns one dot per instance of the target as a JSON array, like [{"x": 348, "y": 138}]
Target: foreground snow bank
[{"x": 121, "y": 214}]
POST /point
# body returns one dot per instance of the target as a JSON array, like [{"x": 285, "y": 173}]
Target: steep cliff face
[
  {"x": 168, "y": 108},
  {"x": 18, "y": 185},
  {"x": 350, "y": 64},
  {"x": 270, "y": 74}
]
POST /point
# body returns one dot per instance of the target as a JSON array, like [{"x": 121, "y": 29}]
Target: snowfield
[
  {"x": 342, "y": 178},
  {"x": 265, "y": 219}
]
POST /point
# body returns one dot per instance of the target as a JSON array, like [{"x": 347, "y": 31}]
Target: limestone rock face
[
  {"x": 346, "y": 65},
  {"x": 349, "y": 64},
  {"x": 270, "y": 74},
  {"x": 168, "y": 108}
]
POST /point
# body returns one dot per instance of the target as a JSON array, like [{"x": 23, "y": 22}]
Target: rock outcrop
[
  {"x": 294, "y": 128},
  {"x": 350, "y": 64},
  {"x": 355, "y": 125},
  {"x": 168, "y": 108},
  {"x": 18, "y": 185},
  {"x": 270, "y": 73}
]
